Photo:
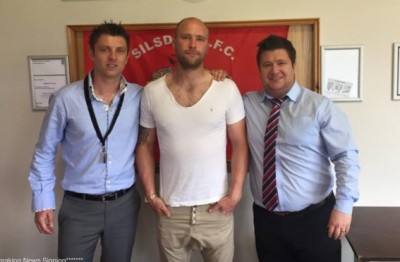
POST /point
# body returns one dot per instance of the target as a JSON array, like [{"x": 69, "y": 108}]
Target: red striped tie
[{"x": 269, "y": 193}]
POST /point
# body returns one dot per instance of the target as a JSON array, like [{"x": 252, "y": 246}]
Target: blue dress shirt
[
  {"x": 314, "y": 148},
  {"x": 67, "y": 122}
]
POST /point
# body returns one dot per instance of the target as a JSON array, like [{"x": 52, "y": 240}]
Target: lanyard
[{"x": 94, "y": 121}]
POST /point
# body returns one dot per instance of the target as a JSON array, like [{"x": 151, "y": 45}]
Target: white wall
[{"x": 38, "y": 28}]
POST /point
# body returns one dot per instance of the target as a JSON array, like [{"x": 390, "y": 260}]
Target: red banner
[{"x": 232, "y": 49}]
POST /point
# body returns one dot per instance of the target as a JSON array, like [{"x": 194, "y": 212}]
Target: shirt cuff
[
  {"x": 344, "y": 206},
  {"x": 37, "y": 211},
  {"x": 43, "y": 201}
]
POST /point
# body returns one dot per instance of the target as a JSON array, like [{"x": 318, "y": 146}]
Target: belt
[
  {"x": 306, "y": 210},
  {"x": 103, "y": 198}
]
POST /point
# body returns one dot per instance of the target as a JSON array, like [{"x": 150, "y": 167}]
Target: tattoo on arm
[{"x": 143, "y": 135}]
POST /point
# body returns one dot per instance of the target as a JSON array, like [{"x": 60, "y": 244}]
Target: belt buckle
[
  {"x": 105, "y": 196},
  {"x": 282, "y": 214}
]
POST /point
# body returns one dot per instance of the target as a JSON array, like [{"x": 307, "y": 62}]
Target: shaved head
[{"x": 189, "y": 19}]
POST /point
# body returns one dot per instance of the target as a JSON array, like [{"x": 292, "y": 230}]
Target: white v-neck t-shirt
[{"x": 192, "y": 140}]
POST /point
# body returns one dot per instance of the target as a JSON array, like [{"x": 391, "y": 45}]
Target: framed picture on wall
[
  {"x": 48, "y": 73},
  {"x": 396, "y": 72},
  {"x": 232, "y": 47},
  {"x": 341, "y": 72}
]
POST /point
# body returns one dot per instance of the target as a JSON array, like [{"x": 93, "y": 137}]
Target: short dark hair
[
  {"x": 273, "y": 42},
  {"x": 108, "y": 28}
]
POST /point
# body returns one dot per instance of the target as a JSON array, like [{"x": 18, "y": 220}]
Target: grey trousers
[{"x": 83, "y": 222}]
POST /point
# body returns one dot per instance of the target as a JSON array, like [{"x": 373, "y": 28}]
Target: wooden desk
[{"x": 375, "y": 234}]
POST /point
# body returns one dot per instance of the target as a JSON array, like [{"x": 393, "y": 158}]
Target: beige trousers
[{"x": 194, "y": 228}]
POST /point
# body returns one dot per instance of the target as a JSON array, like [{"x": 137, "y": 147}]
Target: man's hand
[
  {"x": 159, "y": 207},
  {"x": 44, "y": 221},
  {"x": 219, "y": 75},
  {"x": 339, "y": 224},
  {"x": 226, "y": 204}
]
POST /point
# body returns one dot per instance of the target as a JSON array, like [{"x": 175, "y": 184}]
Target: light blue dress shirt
[
  {"x": 314, "y": 150},
  {"x": 67, "y": 122}
]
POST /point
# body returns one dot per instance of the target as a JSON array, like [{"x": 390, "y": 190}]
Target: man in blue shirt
[
  {"x": 96, "y": 123},
  {"x": 314, "y": 148}
]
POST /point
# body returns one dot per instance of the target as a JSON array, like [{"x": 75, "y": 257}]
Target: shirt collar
[
  {"x": 293, "y": 93},
  {"x": 122, "y": 86}
]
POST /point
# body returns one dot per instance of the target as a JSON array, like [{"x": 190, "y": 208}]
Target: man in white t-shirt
[{"x": 192, "y": 116}]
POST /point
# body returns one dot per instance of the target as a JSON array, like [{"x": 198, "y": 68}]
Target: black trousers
[{"x": 295, "y": 237}]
